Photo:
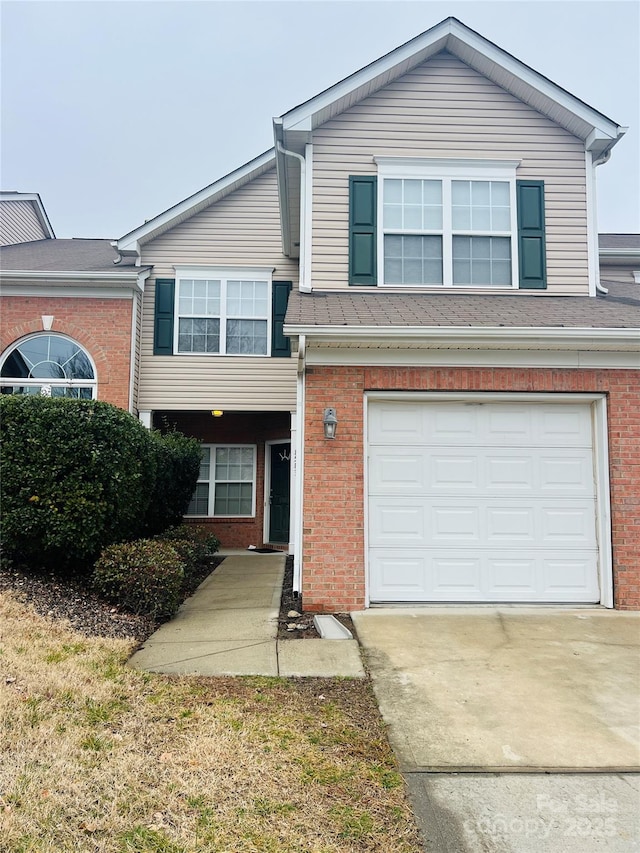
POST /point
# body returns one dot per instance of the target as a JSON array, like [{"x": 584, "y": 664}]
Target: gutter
[
  {"x": 438, "y": 337},
  {"x": 74, "y": 275}
]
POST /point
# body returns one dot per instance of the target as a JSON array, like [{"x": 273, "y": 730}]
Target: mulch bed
[{"x": 60, "y": 597}]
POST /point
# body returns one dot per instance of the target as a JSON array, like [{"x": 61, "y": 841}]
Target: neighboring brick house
[
  {"x": 428, "y": 227},
  {"x": 69, "y": 324}
]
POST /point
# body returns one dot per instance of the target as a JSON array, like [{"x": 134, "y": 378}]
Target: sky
[{"x": 114, "y": 111}]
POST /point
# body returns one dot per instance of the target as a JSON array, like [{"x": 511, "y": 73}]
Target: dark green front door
[{"x": 279, "y": 494}]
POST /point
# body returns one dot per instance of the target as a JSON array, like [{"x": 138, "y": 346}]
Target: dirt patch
[{"x": 300, "y": 627}]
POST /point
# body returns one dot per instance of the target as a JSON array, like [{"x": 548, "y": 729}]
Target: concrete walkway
[{"x": 229, "y": 626}]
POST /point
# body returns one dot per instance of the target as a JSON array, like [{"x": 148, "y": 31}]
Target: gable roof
[
  {"x": 12, "y": 223},
  {"x": 293, "y": 129},
  {"x": 197, "y": 202}
]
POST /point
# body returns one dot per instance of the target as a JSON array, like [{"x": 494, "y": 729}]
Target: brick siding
[
  {"x": 334, "y": 500},
  {"x": 102, "y": 326}
]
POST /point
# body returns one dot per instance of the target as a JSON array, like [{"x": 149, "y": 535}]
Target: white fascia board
[
  {"x": 74, "y": 275},
  {"x": 452, "y": 31},
  {"x": 70, "y": 291},
  {"x": 205, "y": 196},
  {"x": 586, "y": 338},
  {"x": 568, "y": 359},
  {"x": 627, "y": 254}
]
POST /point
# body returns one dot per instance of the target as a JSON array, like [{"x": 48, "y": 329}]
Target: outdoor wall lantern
[{"x": 330, "y": 422}]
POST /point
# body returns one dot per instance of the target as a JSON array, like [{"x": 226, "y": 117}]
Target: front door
[{"x": 280, "y": 491}]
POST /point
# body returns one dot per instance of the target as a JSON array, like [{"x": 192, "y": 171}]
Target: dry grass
[{"x": 97, "y": 757}]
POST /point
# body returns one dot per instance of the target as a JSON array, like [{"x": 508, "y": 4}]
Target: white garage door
[{"x": 472, "y": 501}]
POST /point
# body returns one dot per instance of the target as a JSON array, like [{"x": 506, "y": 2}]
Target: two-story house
[{"x": 390, "y": 335}]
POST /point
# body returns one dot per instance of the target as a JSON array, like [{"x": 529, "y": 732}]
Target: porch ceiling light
[
  {"x": 217, "y": 413},
  {"x": 330, "y": 422}
]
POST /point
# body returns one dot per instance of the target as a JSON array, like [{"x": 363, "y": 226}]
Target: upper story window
[
  {"x": 49, "y": 365},
  {"x": 225, "y": 313},
  {"x": 221, "y": 311},
  {"x": 447, "y": 223}
]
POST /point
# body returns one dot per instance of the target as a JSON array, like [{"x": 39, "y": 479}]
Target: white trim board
[{"x": 567, "y": 359}]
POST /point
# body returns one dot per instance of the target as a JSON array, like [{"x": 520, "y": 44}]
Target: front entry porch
[{"x": 244, "y": 488}]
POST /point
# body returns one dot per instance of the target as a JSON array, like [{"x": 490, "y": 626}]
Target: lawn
[{"x": 98, "y": 757}]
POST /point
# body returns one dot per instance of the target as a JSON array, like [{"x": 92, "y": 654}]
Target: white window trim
[
  {"x": 448, "y": 170},
  {"x": 223, "y": 274},
  {"x": 10, "y": 382},
  {"x": 212, "y": 481}
]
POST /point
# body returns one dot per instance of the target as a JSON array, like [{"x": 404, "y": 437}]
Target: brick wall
[
  {"x": 233, "y": 428},
  {"x": 102, "y": 326},
  {"x": 334, "y": 499}
]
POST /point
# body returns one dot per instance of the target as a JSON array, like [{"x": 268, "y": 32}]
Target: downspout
[
  {"x": 303, "y": 285},
  {"x": 591, "y": 191},
  {"x": 299, "y": 466}
]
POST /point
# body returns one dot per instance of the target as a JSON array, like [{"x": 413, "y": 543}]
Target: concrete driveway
[
  {"x": 506, "y": 688},
  {"x": 515, "y": 728}
]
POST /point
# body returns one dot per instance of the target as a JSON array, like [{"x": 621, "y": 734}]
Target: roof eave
[
  {"x": 584, "y": 338},
  {"x": 489, "y": 59}
]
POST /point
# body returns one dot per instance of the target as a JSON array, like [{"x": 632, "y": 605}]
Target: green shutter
[
  {"x": 280, "y": 344},
  {"x": 362, "y": 229},
  {"x": 163, "y": 318},
  {"x": 531, "y": 242}
]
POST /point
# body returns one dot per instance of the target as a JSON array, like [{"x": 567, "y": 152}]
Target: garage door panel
[
  {"x": 574, "y": 577},
  {"x": 393, "y": 424},
  {"x": 537, "y": 523},
  {"x": 401, "y": 471},
  {"x": 567, "y": 425},
  {"x": 572, "y": 526},
  {"x": 436, "y": 471},
  {"x": 482, "y": 501},
  {"x": 399, "y": 523},
  {"x": 416, "y": 575}
]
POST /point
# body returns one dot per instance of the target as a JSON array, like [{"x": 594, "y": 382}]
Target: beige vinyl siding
[
  {"x": 19, "y": 223},
  {"x": 446, "y": 109},
  {"x": 242, "y": 229}
]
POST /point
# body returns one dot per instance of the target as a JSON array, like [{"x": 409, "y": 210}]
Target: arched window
[{"x": 50, "y": 365}]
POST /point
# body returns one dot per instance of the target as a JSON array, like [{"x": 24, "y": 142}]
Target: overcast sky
[{"x": 114, "y": 111}]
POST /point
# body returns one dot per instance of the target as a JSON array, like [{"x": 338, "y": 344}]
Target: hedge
[
  {"x": 144, "y": 576},
  {"x": 79, "y": 475}
]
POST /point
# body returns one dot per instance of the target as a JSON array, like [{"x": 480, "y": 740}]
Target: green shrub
[
  {"x": 177, "y": 466},
  {"x": 144, "y": 576},
  {"x": 193, "y": 544},
  {"x": 77, "y": 475}
]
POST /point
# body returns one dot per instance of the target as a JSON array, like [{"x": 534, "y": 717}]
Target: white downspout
[
  {"x": 592, "y": 217},
  {"x": 304, "y": 285},
  {"x": 299, "y": 466}
]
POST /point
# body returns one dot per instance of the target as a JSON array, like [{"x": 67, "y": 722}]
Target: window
[
  {"x": 226, "y": 483},
  {"x": 223, "y": 312},
  {"x": 447, "y": 223},
  {"x": 49, "y": 365}
]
